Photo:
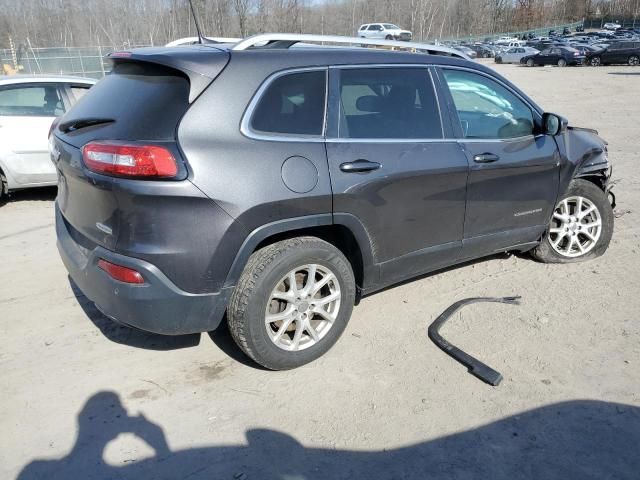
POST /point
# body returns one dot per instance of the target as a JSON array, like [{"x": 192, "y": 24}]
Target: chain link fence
[
  {"x": 80, "y": 61},
  {"x": 90, "y": 61}
]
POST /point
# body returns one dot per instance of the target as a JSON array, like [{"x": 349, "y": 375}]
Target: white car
[
  {"x": 513, "y": 55},
  {"x": 611, "y": 26},
  {"x": 384, "y": 31},
  {"x": 28, "y": 106}
]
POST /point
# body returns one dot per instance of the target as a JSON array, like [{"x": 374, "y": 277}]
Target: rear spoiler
[{"x": 201, "y": 64}]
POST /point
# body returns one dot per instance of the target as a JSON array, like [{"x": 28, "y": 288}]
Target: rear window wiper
[{"x": 73, "y": 125}]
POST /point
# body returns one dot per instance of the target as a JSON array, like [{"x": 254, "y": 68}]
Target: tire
[
  {"x": 634, "y": 60},
  {"x": 267, "y": 270},
  {"x": 593, "y": 195},
  {"x": 562, "y": 62},
  {"x": 4, "y": 190},
  {"x": 389, "y": 37},
  {"x": 595, "y": 61},
  {"x": 498, "y": 59},
  {"x": 530, "y": 63}
]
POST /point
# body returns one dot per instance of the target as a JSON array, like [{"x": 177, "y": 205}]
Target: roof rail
[{"x": 286, "y": 40}]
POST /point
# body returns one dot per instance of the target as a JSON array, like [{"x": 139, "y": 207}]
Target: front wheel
[
  {"x": 292, "y": 302},
  {"x": 581, "y": 226},
  {"x": 595, "y": 62},
  {"x": 562, "y": 62},
  {"x": 634, "y": 60},
  {"x": 530, "y": 63}
]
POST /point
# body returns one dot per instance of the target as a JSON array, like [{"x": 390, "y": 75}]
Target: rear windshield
[{"x": 143, "y": 101}]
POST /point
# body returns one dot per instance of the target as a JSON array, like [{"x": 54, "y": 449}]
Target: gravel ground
[{"x": 85, "y": 398}]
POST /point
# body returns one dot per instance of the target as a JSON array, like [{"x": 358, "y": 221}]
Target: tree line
[{"x": 55, "y": 23}]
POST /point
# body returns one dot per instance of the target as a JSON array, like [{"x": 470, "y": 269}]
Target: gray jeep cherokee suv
[{"x": 279, "y": 185}]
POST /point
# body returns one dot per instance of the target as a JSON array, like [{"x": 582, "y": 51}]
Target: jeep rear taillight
[
  {"x": 125, "y": 160},
  {"x": 120, "y": 273}
]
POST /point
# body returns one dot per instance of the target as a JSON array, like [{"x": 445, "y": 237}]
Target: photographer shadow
[{"x": 571, "y": 440}]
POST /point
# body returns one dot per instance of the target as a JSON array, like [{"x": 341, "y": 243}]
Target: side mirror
[{"x": 553, "y": 124}]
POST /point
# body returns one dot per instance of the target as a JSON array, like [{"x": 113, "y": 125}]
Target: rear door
[
  {"x": 26, "y": 114},
  {"x": 393, "y": 168},
  {"x": 375, "y": 31},
  {"x": 554, "y": 55},
  {"x": 513, "y": 175}
]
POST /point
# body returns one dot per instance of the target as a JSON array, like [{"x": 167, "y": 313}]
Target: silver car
[
  {"x": 514, "y": 54},
  {"x": 28, "y": 106},
  {"x": 383, "y": 31}
]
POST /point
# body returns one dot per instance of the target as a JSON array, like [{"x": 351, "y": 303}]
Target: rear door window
[
  {"x": 394, "y": 103},
  {"x": 292, "y": 104},
  {"x": 31, "y": 101},
  {"x": 486, "y": 109}
]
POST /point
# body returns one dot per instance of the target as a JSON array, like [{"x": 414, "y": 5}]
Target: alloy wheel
[
  {"x": 575, "y": 227},
  {"x": 303, "y": 307},
  {"x": 595, "y": 62},
  {"x": 634, "y": 60}
]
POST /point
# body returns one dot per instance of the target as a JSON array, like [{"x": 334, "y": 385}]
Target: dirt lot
[{"x": 91, "y": 399}]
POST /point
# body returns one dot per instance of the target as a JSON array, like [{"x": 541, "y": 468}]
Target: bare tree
[{"x": 117, "y": 23}]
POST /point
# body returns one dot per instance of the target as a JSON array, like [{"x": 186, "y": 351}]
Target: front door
[
  {"x": 513, "y": 174},
  {"x": 392, "y": 168}
]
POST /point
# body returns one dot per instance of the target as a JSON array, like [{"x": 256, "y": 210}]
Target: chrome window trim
[
  {"x": 245, "y": 123},
  {"x": 427, "y": 67},
  {"x": 391, "y": 140}
]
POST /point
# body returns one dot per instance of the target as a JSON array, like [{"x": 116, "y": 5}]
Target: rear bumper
[{"x": 157, "y": 306}]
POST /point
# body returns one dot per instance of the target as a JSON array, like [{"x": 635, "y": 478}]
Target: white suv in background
[
  {"x": 384, "y": 31},
  {"x": 28, "y": 106}
]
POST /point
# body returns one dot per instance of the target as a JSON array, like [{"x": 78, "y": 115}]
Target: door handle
[
  {"x": 360, "y": 165},
  {"x": 486, "y": 158}
]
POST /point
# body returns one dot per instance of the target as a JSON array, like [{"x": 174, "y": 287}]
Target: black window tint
[
  {"x": 486, "y": 109},
  {"x": 388, "y": 103},
  {"x": 292, "y": 104}
]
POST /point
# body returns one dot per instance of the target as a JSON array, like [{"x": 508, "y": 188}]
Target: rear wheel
[
  {"x": 388, "y": 37},
  {"x": 562, "y": 62},
  {"x": 634, "y": 60},
  {"x": 595, "y": 62},
  {"x": 581, "y": 226},
  {"x": 530, "y": 63},
  {"x": 292, "y": 302},
  {"x": 498, "y": 59}
]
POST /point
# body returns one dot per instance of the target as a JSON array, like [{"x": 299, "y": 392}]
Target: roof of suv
[{"x": 196, "y": 58}]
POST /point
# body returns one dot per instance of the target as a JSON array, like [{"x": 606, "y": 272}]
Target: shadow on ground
[
  {"x": 45, "y": 194},
  {"x": 126, "y": 335},
  {"x": 572, "y": 440},
  {"x": 624, "y": 73}
]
